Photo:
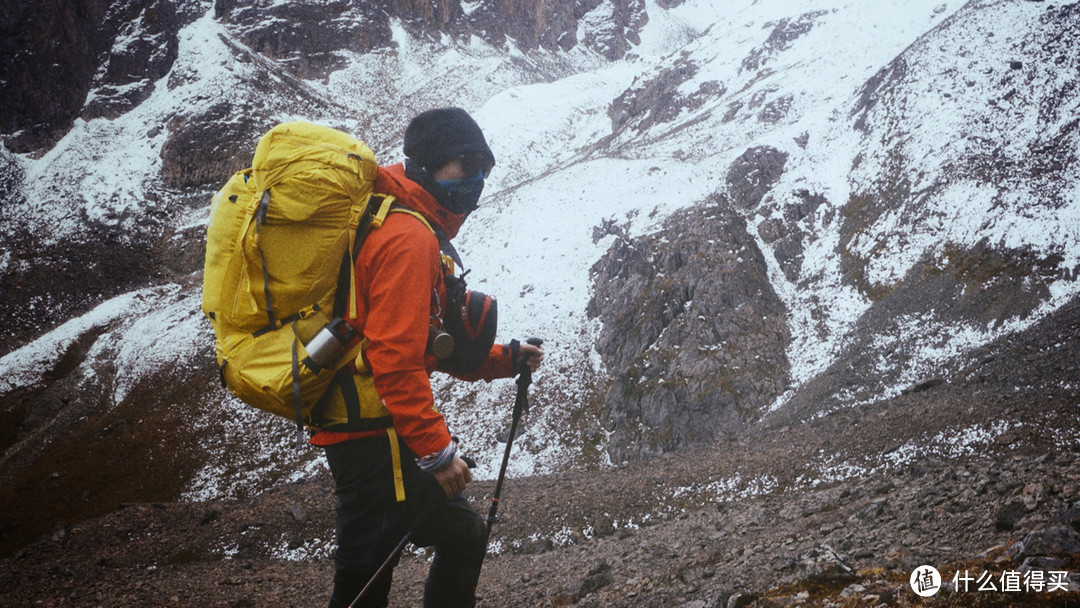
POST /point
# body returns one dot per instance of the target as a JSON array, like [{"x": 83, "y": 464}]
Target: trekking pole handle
[{"x": 533, "y": 342}]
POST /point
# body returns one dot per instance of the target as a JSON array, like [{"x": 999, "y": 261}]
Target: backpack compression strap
[
  {"x": 296, "y": 392},
  {"x": 260, "y": 219}
]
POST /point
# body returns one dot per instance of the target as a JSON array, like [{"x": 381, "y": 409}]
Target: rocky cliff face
[
  {"x": 85, "y": 59},
  {"x": 693, "y": 335},
  {"x": 307, "y": 37},
  {"x": 63, "y": 62},
  {"x": 994, "y": 274},
  {"x": 906, "y": 233}
]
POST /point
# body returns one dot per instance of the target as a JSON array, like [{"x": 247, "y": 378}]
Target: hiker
[{"x": 405, "y": 474}]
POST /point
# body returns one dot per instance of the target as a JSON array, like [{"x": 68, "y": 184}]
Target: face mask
[{"x": 463, "y": 194}]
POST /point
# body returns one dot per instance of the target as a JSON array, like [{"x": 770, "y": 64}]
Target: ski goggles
[{"x": 476, "y": 164}]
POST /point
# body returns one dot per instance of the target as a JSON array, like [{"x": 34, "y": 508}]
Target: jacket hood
[{"x": 392, "y": 180}]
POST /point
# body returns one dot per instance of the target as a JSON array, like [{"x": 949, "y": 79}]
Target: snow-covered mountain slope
[{"x": 904, "y": 173}]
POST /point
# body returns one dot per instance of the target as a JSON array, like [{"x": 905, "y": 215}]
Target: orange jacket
[{"x": 398, "y": 273}]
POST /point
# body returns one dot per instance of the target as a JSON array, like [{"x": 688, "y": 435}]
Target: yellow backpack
[{"x": 279, "y": 272}]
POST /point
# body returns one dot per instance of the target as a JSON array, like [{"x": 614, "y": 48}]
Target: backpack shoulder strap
[
  {"x": 390, "y": 205},
  {"x": 378, "y": 208},
  {"x": 449, "y": 254}
]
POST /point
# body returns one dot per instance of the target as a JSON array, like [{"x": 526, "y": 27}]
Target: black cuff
[{"x": 515, "y": 354}]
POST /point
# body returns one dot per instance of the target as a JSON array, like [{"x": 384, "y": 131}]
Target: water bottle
[{"x": 327, "y": 346}]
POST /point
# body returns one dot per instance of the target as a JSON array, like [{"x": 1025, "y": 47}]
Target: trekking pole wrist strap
[{"x": 515, "y": 356}]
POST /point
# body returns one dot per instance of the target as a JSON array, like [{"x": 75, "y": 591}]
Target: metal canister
[
  {"x": 440, "y": 344},
  {"x": 327, "y": 346}
]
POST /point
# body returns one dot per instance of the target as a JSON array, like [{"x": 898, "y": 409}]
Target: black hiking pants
[{"x": 370, "y": 523}]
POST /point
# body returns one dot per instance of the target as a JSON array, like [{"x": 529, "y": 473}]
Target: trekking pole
[
  {"x": 382, "y": 569},
  {"x": 521, "y": 406}
]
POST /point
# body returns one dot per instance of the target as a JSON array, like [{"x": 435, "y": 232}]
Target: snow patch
[{"x": 27, "y": 366}]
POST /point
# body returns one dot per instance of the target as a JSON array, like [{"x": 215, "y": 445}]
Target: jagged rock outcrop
[
  {"x": 753, "y": 174},
  {"x": 44, "y": 84},
  {"x": 612, "y": 30},
  {"x": 56, "y": 53},
  {"x": 693, "y": 335},
  {"x": 784, "y": 33},
  {"x": 787, "y": 233},
  {"x": 143, "y": 50},
  {"x": 656, "y": 99},
  {"x": 305, "y": 36},
  {"x": 530, "y": 25},
  {"x": 609, "y": 27}
]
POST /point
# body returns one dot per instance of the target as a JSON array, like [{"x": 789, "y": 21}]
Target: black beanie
[{"x": 436, "y": 137}]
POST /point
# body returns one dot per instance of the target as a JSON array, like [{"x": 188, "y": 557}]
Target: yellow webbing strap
[
  {"x": 376, "y": 221},
  {"x": 354, "y": 354},
  {"x": 417, "y": 215},
  {"x": 448, "y": 262},
  {"x": 395, "y": 456},
  {"x": 384, "y": 210},
  {"x": 355, "y": 214},
  {"x": 351, "y": 311}
]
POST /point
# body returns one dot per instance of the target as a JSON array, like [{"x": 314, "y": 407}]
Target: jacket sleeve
[
  {"x": 499, "y": 364},
  {"x": 402, "y": 265}
]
